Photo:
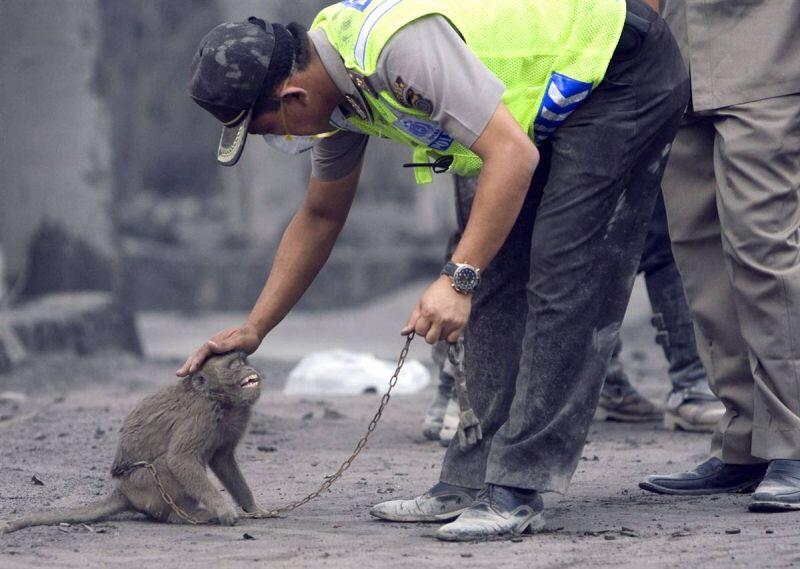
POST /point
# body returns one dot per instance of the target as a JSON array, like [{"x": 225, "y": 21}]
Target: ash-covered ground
[{"x": 64, "y": 432}]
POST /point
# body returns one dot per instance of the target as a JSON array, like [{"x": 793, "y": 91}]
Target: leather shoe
[
  {"x": 780, "y": 489},
  {"x": 711, "y": 477}
]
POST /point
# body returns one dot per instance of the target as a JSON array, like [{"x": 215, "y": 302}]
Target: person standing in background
[{"x": 732, "y": 191}]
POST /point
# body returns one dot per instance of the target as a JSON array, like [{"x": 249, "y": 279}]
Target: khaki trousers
[{"x": 732, "y": 190}]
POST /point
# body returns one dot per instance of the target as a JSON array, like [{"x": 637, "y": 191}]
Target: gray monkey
[{"x": 180, "y": 430}]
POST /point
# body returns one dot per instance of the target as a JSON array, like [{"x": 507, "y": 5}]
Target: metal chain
[
  {"x": 329, "y": 480},
  {"x": 180, "y": 512}
]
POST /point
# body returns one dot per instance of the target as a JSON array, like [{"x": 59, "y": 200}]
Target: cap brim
[{"x": 231, "y": 143}]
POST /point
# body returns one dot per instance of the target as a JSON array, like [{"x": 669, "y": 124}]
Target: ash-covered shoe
[
  {"x": 432, "y": 424},
  {"x": 619, "y": 400},
  {"x": 450, "y": 422},
  {"x": 780, "y": 489},
  {"x": 711, "y": 477},
  {"x": 434, "y": 418},
  {"x": 694, "y": 409},
  {"x": 499, "y": 512},
  {"x": 441, "y": 503}
]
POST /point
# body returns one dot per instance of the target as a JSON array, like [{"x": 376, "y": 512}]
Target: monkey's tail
[{"x": 114, "y": 503}]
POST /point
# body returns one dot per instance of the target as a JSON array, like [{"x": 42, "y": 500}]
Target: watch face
[{"x": 465, "y": 279}]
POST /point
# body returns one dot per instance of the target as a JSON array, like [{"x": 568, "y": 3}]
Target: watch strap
[{"x": 449, "y": 269}]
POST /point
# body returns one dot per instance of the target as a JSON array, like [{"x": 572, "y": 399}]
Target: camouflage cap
[{"x": 227, "y": 76}]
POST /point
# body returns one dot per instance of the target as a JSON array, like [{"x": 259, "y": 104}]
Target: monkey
[{"x": 181, "y": 430}]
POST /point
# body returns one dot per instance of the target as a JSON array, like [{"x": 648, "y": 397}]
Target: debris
[
  {"x": 13, "y": 397},
  {"x": 40, "y": 437},
  {"x": 609, "y": 537},
  {"x": 332, "y": 414},
  {"x": 769, "y": 531},
  {"x": 466, "y": 555},
  {"x": 247, "y": 537},
  {"x": 733, "y": 531},
  {"x": 98, "y": 433},
  {"x": 36, "y": 481},
  {"x": 370, "y": 390},
  {"x": 340, "y": 372},
  {"x": 264, "y": 448},
  {"x": 308, "y": 416}
]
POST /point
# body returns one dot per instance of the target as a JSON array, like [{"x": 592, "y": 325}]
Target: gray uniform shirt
[
  {"x": 737, "y": 51},
  {"x": 425, "y": 65}
]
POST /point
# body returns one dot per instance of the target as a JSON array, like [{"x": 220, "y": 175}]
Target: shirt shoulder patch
[{"x": 407, "y": 96}]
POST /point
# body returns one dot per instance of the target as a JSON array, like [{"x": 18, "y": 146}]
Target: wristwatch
[{"x": 466, "y": 278}]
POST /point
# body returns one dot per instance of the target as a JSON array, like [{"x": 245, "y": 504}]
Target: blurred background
[{"x": 117, "y": 227}]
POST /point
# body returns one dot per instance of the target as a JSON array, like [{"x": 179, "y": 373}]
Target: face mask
[{"x": 290, "y": 144}]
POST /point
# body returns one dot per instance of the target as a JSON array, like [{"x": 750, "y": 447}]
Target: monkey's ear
[{"x": 199, "y": 381}]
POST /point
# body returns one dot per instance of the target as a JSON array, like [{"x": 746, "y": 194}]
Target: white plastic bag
[{"x": 340, "y": 372}]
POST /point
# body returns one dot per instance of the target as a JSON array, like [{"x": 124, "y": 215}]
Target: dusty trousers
[
  {"x": 732, "y": 191},
  {"x": 547, "y": 315}
]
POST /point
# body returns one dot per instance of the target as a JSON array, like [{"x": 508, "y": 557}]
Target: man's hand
[
  {"x": 244, "y": 338},
  {"x": 440, "y": 314}
]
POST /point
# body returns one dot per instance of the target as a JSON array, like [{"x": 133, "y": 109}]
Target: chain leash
[{"x": 329, "y": 480}]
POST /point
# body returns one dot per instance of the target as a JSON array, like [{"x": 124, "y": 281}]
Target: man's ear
[{"x": 291, "y": 92}]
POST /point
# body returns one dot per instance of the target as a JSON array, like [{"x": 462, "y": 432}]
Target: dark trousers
[{"x": 547, "y": 315}]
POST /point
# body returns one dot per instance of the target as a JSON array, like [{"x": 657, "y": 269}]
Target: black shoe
[
  {"x": 711, "y": 477},
  {"x": 780, "y": 489}
]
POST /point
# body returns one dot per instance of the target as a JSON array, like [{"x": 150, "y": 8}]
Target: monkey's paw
[{"x": 226, "y": 516}]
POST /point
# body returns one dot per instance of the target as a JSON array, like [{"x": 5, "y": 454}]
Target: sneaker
[
  {"x": 434, "y": 418},
  {"x": 619, "y": 401},
  {"x": 450, "y": 422},
  {"x": 499, "y": 512},
  {"x": 711, "y": 477},
  {"x": 441, "y": 503},
  {"x": 690, "y": 410},
  {"x": 780, "y": 489}
]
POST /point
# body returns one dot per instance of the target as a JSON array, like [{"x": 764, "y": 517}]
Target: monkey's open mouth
[{"x": 251, "y": 380}]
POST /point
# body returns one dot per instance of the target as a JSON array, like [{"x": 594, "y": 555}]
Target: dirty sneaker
[
  {"x": 780, "y": 489},
  {"x": 499, "y": 512},
  {"x": 695, "y": 409},
  {"x": 441, "y": 503},
  {"x": 450, "y": 422},
  {"x": 432, "y": 424},
  {"x": 619, "y": 400}
]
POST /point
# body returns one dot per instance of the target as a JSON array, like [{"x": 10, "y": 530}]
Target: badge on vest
[
  {"x": 562, "y": 96},
  {"x": 359, "y": 5},
  {"x": 427, "y": 132}
]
